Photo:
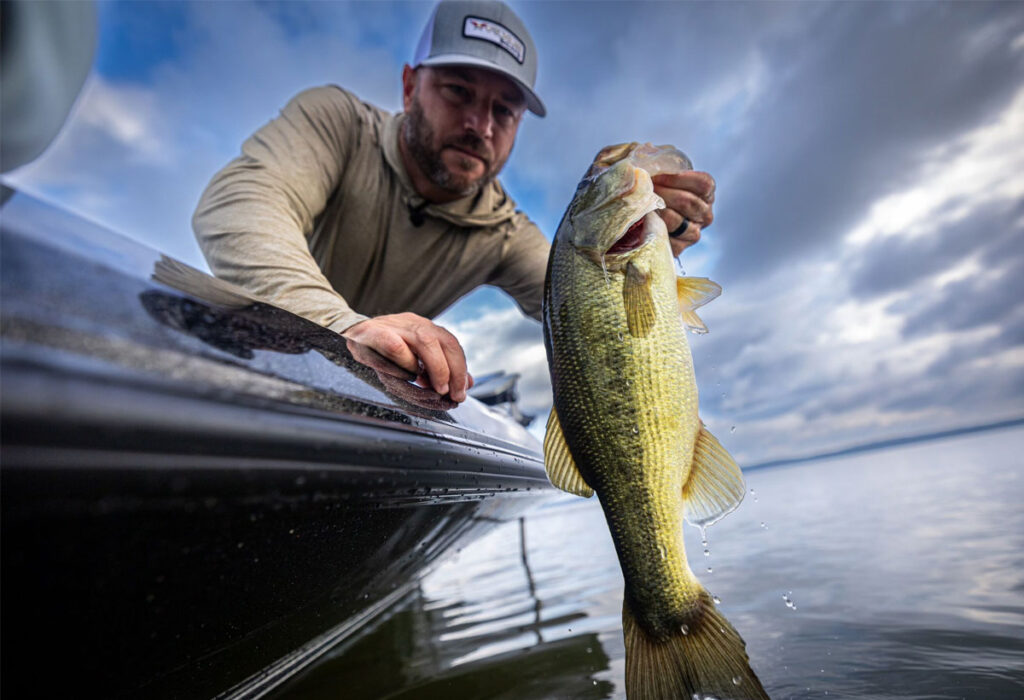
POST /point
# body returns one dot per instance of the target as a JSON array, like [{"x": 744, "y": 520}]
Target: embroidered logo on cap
[{"x": 477, "y": 28}]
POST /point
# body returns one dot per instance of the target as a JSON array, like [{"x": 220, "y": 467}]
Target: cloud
[
  {"x": 505, "y": 340},
  {"x": 136, "y": 153}
]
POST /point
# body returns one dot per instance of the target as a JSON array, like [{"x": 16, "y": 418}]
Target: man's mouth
[{"x": 470, "y": 154}]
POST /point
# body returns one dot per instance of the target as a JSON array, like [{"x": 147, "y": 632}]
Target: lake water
[{"x": 905, "y": 567}]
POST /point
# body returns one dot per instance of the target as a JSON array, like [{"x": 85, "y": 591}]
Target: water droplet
[
  {"x": 732, "y": 429},
  {"x": 685, "y": 629},
  {"x": 661, "y": 551},
  {"x": 788, "y": 599},
  {"x": 620, "y": 337},
  {"x": 590, "y": 651},
  {"x": 636, "y": 429},
  {"x": 723, "y": 394},
  {"x": 736, "y": 680},
  {"x": 718, "y": 601},
  {"x": 299, "y": 481},
  {"x": 241, "y": 544},
  {"x": 707, "y": 552},
  {"x": 710, "y": 570},
  {"x": 764, "y": 525}
]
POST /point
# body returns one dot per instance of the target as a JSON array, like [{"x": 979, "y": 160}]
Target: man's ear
[{"x": 408, "y": 86}]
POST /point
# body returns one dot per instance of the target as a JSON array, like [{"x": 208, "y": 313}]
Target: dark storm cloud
[
  {"x": 806, "y": 113},
  {"x": 898, "y": 262},
  {"x": 971, "y": 302},
  {"x": 966, "y": 387},
  {"x": 849, "y": 114}
]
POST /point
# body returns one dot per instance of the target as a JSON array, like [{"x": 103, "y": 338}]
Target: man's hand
[
  {"x": 420, "y": 346},
  {"x": 688, "y": 195}
]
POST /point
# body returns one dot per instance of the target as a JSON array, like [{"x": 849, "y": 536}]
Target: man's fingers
[
  {"x": 686, "y": 204},
  {"x": 684, "y": 239},
  {"x": 385, "y": 341},
  {"x": 428, "y": 348},
  {"x": 700, "y": 184},
  {"x": 417, "y": 344},
  {"x": 458, "y": 377}
]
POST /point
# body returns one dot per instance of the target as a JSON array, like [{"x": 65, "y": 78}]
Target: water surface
[{"x": 904, "y": 568}]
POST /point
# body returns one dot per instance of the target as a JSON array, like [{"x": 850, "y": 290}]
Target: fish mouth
[{"x": 634, "y": 237}]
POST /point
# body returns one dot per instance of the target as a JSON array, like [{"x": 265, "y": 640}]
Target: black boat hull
[{"x": 187, "y": 514}]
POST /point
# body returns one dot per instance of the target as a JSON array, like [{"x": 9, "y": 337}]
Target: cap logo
[{"x": 478, "y": 28}]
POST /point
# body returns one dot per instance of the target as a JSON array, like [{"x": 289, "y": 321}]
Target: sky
[{"x": 869, "y": 219}]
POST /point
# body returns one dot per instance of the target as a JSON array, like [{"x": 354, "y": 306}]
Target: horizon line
[{"x": 891, "y": 442}]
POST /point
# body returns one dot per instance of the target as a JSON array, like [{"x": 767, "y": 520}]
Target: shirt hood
[{"x": 488, "y": 207}]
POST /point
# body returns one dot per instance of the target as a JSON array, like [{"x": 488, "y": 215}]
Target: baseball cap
[{"x": 482, "y": 33}]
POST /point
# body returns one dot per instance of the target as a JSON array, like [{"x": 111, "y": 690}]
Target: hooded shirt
[{"x": 319, "y": 216}]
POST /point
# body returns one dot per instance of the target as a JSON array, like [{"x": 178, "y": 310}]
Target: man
[{"x": 371, "y": 224}]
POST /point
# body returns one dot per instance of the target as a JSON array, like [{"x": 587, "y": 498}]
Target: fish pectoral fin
[
  {"x": 693, "y": 293},
  {"x": 558, "y": 462},
  {"x": 636, "y": 293},
  {"x": 715, "y": 487}
]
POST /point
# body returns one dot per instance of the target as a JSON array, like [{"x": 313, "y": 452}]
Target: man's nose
[{"x": 478, "y": 118}]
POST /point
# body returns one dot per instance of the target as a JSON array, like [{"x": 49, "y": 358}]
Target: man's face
[{"x": 461, "y": 125}]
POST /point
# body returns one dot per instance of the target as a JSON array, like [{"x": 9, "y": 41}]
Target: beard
[{"x": 418, "y": 135}]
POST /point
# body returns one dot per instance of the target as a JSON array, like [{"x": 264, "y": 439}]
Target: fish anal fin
[
  {"x": 692, "y": 293},
  {"x": 704, "y": 657},
  {"x": 715, "y": 486},
  {"x": 636, "y": 294},
  {"x": 558, "y": 462}
]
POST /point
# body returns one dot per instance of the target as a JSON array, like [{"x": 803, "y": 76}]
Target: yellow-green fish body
[{"x": 625, "y": 421}]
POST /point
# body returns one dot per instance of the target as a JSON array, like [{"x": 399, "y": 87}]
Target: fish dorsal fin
[
  {"x": 636, "y": 293},
  {"x": 715, "y": 487},
  {"x": 558, "y": 462},
  {"x": 693, "y": 293}
]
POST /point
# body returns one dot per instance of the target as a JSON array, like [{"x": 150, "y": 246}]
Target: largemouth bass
[{"x": 625, "y": 424}]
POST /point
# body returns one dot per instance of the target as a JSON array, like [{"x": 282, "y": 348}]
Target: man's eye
[
  {"x": 504, "y": 113},
  {"x": 458, "y": 91}
]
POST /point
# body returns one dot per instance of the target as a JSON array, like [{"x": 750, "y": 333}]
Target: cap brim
[{"x": 533, "y": 102}]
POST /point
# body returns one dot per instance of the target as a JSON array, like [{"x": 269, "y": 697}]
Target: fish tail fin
[{"x": 705, "y": 658}]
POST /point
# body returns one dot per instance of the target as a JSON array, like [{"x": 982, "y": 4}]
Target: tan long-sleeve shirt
[{"x": 314, "y": 216}]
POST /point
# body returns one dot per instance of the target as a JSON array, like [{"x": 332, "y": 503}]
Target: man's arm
[
  {"x": 524, "y": 262},
  {"x": 254, "y": 218}
]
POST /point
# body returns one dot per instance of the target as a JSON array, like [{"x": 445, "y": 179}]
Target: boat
[{"x": 201, "y": 492}]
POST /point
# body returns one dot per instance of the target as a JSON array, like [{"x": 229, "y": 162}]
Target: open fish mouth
[{"x": 634, "y": 237}]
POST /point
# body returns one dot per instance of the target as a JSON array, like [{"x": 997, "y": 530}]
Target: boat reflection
[
  {"x": 238, "y": 323},
  {"x": 495, "y": 640}
]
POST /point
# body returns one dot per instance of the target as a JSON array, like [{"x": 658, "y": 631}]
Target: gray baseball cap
[{"x": 482, "y": 33}]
